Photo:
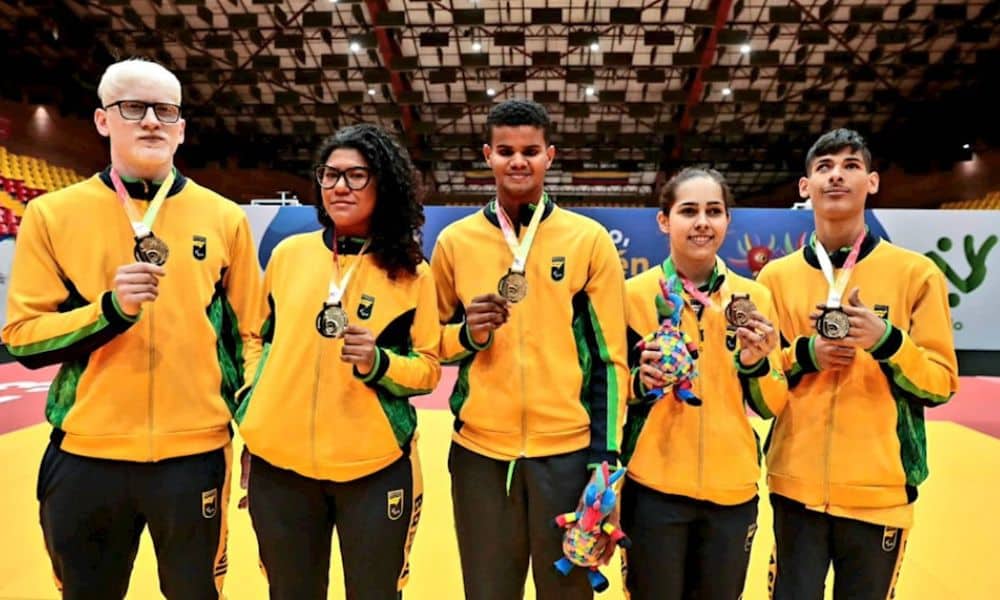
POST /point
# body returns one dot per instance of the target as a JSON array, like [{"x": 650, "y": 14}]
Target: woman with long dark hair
[{"x": 351, "y": 333}]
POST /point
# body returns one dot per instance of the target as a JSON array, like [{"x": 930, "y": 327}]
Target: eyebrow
[
  {"x": 508, "y": 146},
  {"x": 695, "y": 203}
]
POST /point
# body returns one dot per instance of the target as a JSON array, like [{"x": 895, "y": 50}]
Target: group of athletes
[{"x": 146, "y": 288}]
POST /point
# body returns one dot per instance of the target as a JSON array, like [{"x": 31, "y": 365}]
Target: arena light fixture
[
  {"x": 745, "y": 48},
  {"x": 589, "y": 91},
  {"x": 355, "y": 47},
  {"x": 594, "y": 47},
  {"x": 726, "y": 91}
]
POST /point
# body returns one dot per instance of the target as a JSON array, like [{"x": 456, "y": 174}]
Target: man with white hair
[{"x": 142, "y": 284}]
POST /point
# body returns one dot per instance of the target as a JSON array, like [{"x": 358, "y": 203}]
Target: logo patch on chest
[
  {"x": 558, "y": 268},
  {"x": 199, "y": 247},
  {"x": 365, "y": 306}
]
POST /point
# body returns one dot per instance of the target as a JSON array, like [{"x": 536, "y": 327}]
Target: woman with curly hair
[{"x": 351, "y": 333}]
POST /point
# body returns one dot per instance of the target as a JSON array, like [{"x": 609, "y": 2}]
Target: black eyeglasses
[
  {"x": 135, "y": 110},
  {"x": 356, "y": 178}
]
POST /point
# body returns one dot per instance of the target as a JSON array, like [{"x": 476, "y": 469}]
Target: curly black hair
[
  {"x": 832, "y": 142},
  {"x": 399, "y": 212},
  {"x": 668, "y": 194},
  {"x": 514, "y": 112}
]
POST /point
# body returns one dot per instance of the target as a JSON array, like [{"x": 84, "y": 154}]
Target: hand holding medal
[
  {"x": 758, "y": 337},
  {"x": 359, "y": 348},
  {"x": 484, "y": 314},
  {"x": 137, "y": 283},
  {"x": 865, "y": 327}
]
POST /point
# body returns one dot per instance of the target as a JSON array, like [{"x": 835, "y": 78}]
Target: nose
[
  {"x": 836, "y": 174},
  {"x": 340, "y": 186},
  {"x": 149, "y": 119},
  {"x": 517, "y": 161}
]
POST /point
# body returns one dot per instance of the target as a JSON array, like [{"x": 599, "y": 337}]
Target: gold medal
[
  {"x": 151, "y": 249},
  {"x": 331, "y": 321},
  {"x": 833, "y": 324},
  {"x": 513, "y": 286},
  {"x": 738, "y": 310}
]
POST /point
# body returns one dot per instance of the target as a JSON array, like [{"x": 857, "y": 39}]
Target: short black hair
[
  {"x": 668, "y": 194},
  {"x": 398, "y": 217},
  {"x": 511, "y": 113},
  {"x": 834, "y": 141}
]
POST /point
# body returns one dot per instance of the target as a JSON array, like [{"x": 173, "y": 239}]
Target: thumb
[{"x": 855, "y": 298}]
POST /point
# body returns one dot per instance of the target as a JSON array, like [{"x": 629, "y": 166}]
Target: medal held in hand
[
  {"x": 739, "y": 309},
  {"x": 148, "y": 248},
  {"x": 151, "y": 249},
  {"x": 513, "y": 286},
  {"x": 331, "y": 322},
  {"x": 833, "y": 323}
]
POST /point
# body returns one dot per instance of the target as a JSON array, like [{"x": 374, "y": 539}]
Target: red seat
[{"x": 4, "y": 229}]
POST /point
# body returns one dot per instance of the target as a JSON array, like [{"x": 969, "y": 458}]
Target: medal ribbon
[
  {"x": 142, "y": 226},
  {"x": 520, "y": 249},
  {"x": 338, "y": 284},
  {"x": 837, "y": 284},
  {"x": 700, "y": 296}
]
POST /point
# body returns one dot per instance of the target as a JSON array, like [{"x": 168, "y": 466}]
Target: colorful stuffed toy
[
  {"x": 679, "y": 352},
  {"x": 583, "y": 528}
]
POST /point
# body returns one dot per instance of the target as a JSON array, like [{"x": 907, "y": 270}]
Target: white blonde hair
[{"x": 124, "y": 74}]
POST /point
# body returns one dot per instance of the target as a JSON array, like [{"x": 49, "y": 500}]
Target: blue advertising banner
[{"x": 960, "y": 243}]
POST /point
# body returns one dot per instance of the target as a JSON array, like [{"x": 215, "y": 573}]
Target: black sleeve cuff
[
  {"x": 116, "y": 320},
  {"x": 466, "y": 340},
  {"x": 381, "y": 366},
  {"x": 763, "y": 367},
  {"x": 638, "y": 390},
  {"x": 890, "y": 346},
  {"x": 803, "y": 356}
]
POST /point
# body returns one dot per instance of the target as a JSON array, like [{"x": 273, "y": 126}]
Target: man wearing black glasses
[{"x": 144, "y": 285}]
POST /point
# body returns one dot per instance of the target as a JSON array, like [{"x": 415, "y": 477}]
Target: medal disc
[
  {"x": 833, "y": 324},
  {"x": 513, "y": 286},
  {"x": 151, "y": 249},
  {"x": 331, "y": 321},
  {"x": 739, "y": 309}
]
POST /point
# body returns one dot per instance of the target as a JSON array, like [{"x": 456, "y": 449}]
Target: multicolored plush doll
[
  {"x": 583, "y": 528},
  {"x": 679, "y": 351}
]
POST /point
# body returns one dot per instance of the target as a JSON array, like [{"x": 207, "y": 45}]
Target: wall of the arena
[{"x": 72, "y": 142}]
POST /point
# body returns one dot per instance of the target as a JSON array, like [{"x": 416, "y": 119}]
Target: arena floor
[{"x": 951, "y": 553}]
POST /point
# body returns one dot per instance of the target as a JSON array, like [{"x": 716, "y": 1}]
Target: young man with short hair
[{"x": 847, "y": 453}]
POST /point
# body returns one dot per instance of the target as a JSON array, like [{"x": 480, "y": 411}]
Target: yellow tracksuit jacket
[
  {"x": 147, "y": 388},
  {"x": 553, "y": 379},
  {"x": 852, "y": 440},
  {"x": 305, "y": 409},
  {"x": 708, "y": 452}
]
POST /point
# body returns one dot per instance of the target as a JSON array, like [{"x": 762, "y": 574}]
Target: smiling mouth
[{"x": 701, "y": 239}]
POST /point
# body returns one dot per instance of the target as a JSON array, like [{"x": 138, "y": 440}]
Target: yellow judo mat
[{"x": 951, "y": 555}]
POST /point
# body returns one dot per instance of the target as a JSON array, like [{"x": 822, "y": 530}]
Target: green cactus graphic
[{"x": 976, "y": 260}]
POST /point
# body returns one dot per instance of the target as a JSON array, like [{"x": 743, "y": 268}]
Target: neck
[
  {"x": 512, "y": 204},
  {"x": 697, "y": 271},
  {"x": 837, "y": 234},
  {"x": 356, "y": 231},
  {"x": 155, "y": 173}
]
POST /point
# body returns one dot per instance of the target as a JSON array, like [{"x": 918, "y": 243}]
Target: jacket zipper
[
  {"x": 701, "y": 409},
  {"x": 524, "y": 392},
  {"x": 315, "y": 403},
  {"x": 152, "y": 353},
  {"x": 829, "y": 439}
]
